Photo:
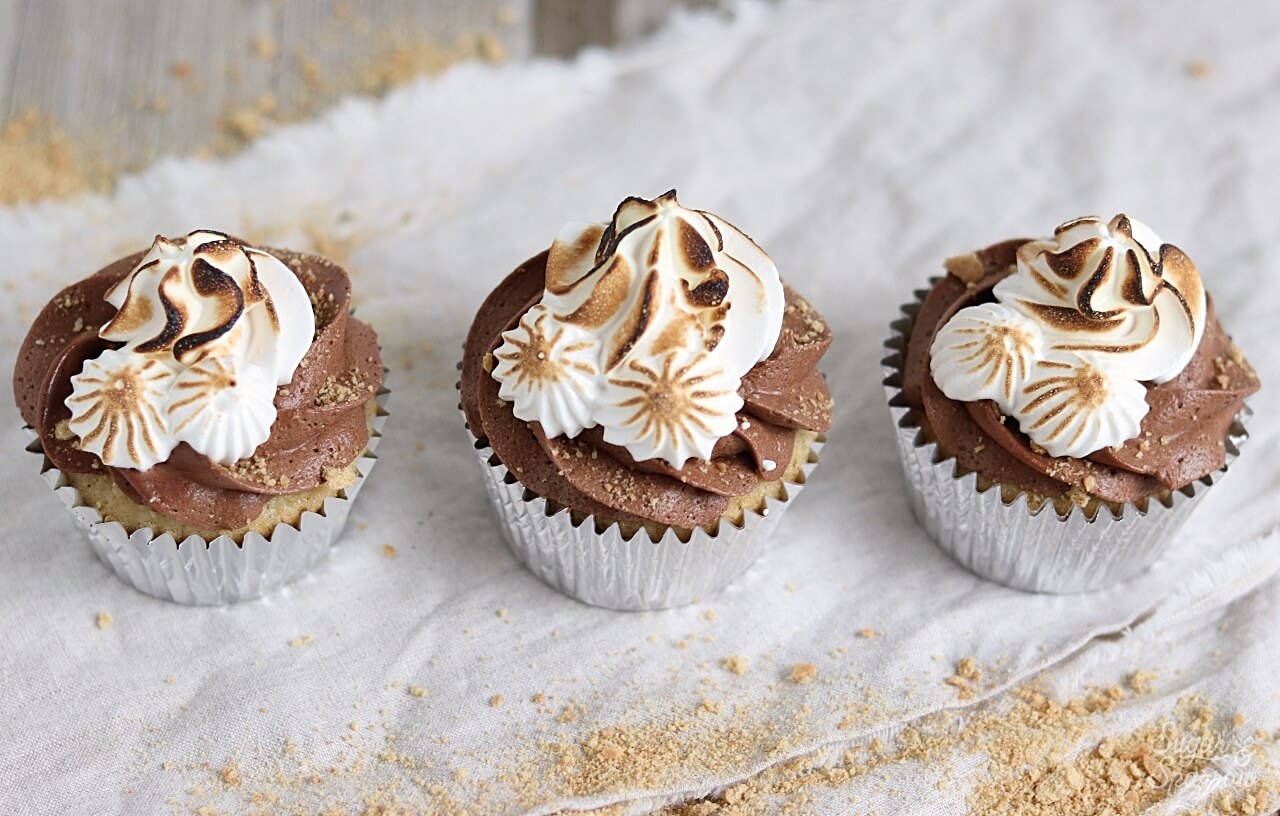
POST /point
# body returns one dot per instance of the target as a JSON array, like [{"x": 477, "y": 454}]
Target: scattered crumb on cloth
[{"x": 1041, "y": 757}]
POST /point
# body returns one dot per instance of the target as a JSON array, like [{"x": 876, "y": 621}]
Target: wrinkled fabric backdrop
[{"x": 860, "y": 145}]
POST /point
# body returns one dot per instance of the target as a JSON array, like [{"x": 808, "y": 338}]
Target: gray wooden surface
[{"x": 132, "y": 80}]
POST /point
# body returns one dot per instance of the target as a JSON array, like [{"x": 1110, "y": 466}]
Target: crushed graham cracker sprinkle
[
  {"x": 1037, "y": 756},
  {"x": 1040, "y": 760},
  {"x": 966, "y": 678},
  {"x": 967, "y": 268}
]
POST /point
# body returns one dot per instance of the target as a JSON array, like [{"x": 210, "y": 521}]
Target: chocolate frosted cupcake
[
  {"x": 207, "y": 410},
  {"x": 646, "y": 400},
  {"x": 1063, "y": 403}
]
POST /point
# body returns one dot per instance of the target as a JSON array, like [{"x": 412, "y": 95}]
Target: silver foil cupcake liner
[
  {"x": 602, "y": 568},
  {"x": 199, "y": 572},
  {"x": 1013, "y": 543}
]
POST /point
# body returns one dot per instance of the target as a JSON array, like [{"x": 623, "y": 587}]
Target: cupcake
[
  {"x": 1063, "y": 403},
  {"x": 646, "y": 401},
  {"x": 207, "y": 410}
]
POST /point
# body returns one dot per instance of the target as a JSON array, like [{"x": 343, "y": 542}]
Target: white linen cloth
[{"x": 860, "y": 145}]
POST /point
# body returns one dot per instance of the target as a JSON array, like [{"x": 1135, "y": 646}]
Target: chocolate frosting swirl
[
  {"x": 783, "y": 394},
  {"x": 320, "y": 421},
  {"x": 1182, "y": 436}
]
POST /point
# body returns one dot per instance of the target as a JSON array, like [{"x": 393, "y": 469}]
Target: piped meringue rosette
[
  {"x": 208, "y": 410},
  {"x": 1062, "y": 403},
  {"x": 649, "y": 374}
]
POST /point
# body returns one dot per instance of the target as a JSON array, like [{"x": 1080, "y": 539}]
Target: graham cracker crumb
[
  {"x": 867, "y": 633},
  {"x": 304, "y": 640},
  {"x": 967, "y": 674},
  {"x": 967, "y": 268},
  {"x": 568, "y": 715},
  {"x": 37, "y": 160},
  {"x": 388, "y": 550},
  {"x": 340, "y": 390},
  {"x": 1200, "y": 68},
  {"x": 1079, "y": 495},
  {"x": 103, "y": 620},
  {"x": 735, "y": 664},
  {"x": 1038, "y": 756},
  {"x": 803, "y": 673},
  {"x": 501, "y": 612},
  {"x": 417, "y": 691},
  {"x": 245, "y": 124},
  {"x": 1140, "y": 681},
  {"x": 265, "y": 48},
  {"x": 496, "y": 701},
  {"x": 230, "y": 775}
]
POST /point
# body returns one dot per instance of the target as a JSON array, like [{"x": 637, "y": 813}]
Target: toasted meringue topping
[
  {"x": 227, "y": 322},
  {"x": 678, "y": 409},
  {"x": 1087, "y": 317},
  {"x": 222, "y": 409},
  {"x": 118, "y": 411},
  {"x": 549, "y": 371},
  {"x": 646, "y": 327}
]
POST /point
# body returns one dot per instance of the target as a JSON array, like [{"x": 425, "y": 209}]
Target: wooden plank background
[{"x": 133, "y": 80}]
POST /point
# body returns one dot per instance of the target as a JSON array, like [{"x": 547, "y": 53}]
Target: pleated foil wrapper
[
  {"x": 1011, "y": 543},
  {"x": 605, "y": 569},
  {"x": 218, "y": 572}
]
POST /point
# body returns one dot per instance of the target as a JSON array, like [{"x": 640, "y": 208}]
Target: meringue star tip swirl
[
  {"x": 645, "y": 327},
  {"x": 226, "y": 322},
  {"x": 1085, "y": 319}
]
